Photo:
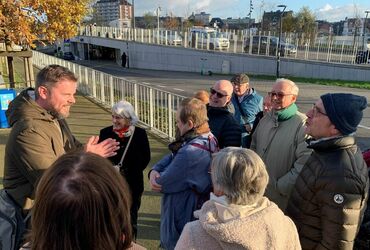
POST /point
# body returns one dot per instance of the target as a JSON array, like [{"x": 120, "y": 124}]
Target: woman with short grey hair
[
  {"x": 134, "y": 153},
  {"x": 238, "y": 216},
  {"x": 125, "y": 109},
  {"x": 240, "y": 176}
]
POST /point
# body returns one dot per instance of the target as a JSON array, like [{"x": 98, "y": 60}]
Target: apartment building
[{"x": 116, "y": 13}]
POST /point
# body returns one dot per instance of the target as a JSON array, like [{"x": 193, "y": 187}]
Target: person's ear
[
  {"x": 191, "y": 124},
  {"x": 294, "y": 98},
  {"x": 334, "y": 131},
  {"x": 43, "y": 92}
]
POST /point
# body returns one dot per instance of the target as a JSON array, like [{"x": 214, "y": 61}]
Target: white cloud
[
  {"x": 327, "y": 7},
  {"x": 338, "y": 13},
  {"x": 183, "y": 7}
]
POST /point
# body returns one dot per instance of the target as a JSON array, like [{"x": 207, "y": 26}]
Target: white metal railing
[
  {"x": 331, "y": 49},
  {"x": 155, "y": 108}
]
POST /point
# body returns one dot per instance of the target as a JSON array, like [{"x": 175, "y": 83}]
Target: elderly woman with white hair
[
  {"x": 134, "y": 153},
  {"x": 238, "y": 216}
]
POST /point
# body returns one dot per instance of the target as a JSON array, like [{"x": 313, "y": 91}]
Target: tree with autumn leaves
[{"x": 24, "y": 21}]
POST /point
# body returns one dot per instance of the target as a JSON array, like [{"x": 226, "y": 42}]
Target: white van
[{"x": 200, "y": 36}]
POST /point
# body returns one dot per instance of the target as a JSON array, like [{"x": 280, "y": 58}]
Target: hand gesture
[{"x": 106, "y": 148}]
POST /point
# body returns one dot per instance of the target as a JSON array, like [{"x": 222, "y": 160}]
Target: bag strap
[
  {"x": 209, "y": 149},
  {"x": 128, "y": 144}
]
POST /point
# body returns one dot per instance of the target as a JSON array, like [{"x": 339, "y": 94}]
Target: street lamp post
[
  {"x": 158, "y": 11},
  {"x": 250, "y": 15},
  {"x": 133, "y": 14},
  {"x": 279, "y": 41},
  {"x": 364, "y": 30}
]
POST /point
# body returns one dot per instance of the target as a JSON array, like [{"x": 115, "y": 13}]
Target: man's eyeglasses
[
  {"x": 316, "y": 110},
  {"x": 277, "y": 94},
  {"x": 218, "y": 94}
]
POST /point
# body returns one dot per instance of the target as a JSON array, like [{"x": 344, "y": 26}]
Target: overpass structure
[
  {"x": 145, "y": 53},
  {"x": 156, "y": 104}
]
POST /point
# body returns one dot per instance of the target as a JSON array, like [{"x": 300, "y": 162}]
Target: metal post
[
  {"x": 250, "y": 15},
  {"x": 133, "y": 14},
  {"x": 102, "y": 94},
  {"x": 151, "y": 108},
  {"x": 279, "y": 44},
  {"x": 158, "y": 10},
  {"x": 364, "y": 30},
  {"x": 93, "y": 80},
  {"x": 111, "y": 91}
]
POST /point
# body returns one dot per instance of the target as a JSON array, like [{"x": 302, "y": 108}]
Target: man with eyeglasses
[
  {"x": 247, "y": 104},
  {"x": 221, "y": 120},
  {"x": 329, "y": 197},
  {"x": 279, "y": 140}
]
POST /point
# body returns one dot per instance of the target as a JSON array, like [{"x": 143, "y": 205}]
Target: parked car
[
  {"x": 172, "y": 38},
  {"x": 68, "y": 56},
  {"x": 260, "y": 44},
  {"x": 363, "y": 56},
  {"x": 216, "y": 39}
]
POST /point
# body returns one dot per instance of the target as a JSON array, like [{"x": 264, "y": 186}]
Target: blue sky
[{"x": 323, "y": 9}]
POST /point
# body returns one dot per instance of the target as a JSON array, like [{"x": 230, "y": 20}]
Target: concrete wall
[{"x": 159, "y": 57}]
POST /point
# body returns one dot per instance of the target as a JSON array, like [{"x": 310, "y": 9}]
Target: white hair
[
  {"x": 126, "y": 110},
  {"x": 294, "y": 87},
  {"x": 240, "y": 173}
]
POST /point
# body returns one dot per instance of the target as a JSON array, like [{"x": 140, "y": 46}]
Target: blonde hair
[
  {"x": 203, "y": 96},
  {"x": 193, "y": 109}
]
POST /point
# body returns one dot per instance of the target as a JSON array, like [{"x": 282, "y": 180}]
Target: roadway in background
[{"x": 186, "y": 84}]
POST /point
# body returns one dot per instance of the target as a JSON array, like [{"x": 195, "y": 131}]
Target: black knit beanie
[{"x": 344, "y": 110}]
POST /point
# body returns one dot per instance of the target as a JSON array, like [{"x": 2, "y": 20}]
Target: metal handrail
[{"x": 155, "y": 108}]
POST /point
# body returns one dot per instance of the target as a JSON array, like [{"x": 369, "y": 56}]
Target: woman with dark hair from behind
[{"x": 81, "y": 202}]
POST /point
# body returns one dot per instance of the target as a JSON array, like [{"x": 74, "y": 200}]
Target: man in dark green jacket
[
  {"x": 329, "y": 197},
  {"x": 40, "y": 134}
]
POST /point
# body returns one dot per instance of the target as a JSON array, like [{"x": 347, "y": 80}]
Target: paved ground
[{"x": 184, "y": 83}]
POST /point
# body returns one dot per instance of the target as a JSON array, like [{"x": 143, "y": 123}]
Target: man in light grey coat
[{"x": 279, "y": 140}]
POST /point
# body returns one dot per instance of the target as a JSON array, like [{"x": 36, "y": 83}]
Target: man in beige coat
[{"x": 279, "y": 140}]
